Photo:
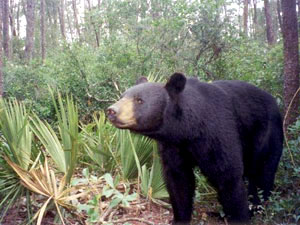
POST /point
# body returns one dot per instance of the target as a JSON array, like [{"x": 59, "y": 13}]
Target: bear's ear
[
  {"x": 141, "y": 80},
  {"x": 175, "y": 84}
]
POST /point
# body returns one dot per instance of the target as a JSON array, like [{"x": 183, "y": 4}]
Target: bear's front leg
[{"x": 180, "y": 181}]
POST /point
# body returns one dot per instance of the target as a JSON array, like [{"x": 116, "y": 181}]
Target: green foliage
[
  {"x": 252, "y": 62},
  {"x": 16, "y": 145},
  {"x": 63, "y": 150},
  {"x": 14, "y": 123},
  {"x": 109, "y": 191},
  {"x": 152, "y": 180},
  {"x": 132, "y": 147},
  {"x": 29, "y": 84},
  {"x": 203, "y": 188},
  {"x": 98, "y": 141},
  {"x": 138, "y": 39}
]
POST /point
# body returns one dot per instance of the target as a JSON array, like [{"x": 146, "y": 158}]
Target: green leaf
[
  {"x": 115, "y": 202},
  {"x": 108, "y": 178},
  {"x": 131, "y": 197},
  {"x": 108, "y": 193},
  {"x": 84, "y": 207}
]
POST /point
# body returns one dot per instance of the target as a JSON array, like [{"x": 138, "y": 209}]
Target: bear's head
[{"x": 141, "y": 108}]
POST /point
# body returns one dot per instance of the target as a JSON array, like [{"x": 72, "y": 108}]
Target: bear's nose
[{"x": 111, "y": 113}]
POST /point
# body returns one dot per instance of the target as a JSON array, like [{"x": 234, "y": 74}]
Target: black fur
[{"x": 230, "y": 129}]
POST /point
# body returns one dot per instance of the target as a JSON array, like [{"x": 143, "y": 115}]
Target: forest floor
[{"x": 141, "y": 212}]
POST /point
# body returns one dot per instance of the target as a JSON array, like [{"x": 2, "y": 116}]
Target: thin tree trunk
[
  {"x": 269, "y": 24},
  {"x": 12, "y": 26},
  {"x": 11, "y": 19},
  {"x": 30, "y": 18},
  {"x": 43, "y": 50},
  {"x": 240, "y": 18},
  {"x": 291, "y": 59},
  {"x": 279, "y": 14},
  {"x": 6, "y": 38},
  {"x": 1, "y": 52},
  {"x": 76, "y": 18},
  {"x": 93, "y": 23},
  {"x": 61, "y": 13},
  {"x": 255, "y": 17},
  {"x": 55, "y": 24},
  {"x": 245, "y": 15},
  {"x": 18, "y": 20}
]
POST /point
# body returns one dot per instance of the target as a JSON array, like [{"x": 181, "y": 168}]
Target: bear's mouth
[{"x": 123, "y": 125}]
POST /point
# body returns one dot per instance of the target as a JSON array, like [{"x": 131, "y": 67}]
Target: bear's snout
[
  {"x": 121, "y": 114},
  {"x": 111, "y": 113}
]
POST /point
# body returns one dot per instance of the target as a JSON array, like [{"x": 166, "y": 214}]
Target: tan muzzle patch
[{"x": 126, "y": 112}]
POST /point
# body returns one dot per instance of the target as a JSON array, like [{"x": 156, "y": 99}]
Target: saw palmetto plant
[
  {"x": 16, "y": 148},
  {"x": 97, "y": 139},
  {"x": 16, "y": 145},
  {"x": 64, "y": 146},
  {"x": 43, "y": 181}
]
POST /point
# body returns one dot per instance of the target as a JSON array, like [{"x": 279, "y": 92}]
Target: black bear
[{"x": 231, "y": 130}]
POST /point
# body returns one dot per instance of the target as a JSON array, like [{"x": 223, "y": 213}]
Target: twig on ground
[
  {"x": 111, "y": 215},
  {"x": 132, "y": 219},
  {"x": 105, "y": 214}
]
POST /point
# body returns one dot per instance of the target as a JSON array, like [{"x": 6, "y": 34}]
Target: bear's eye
[{"x": 139, "y": 101}]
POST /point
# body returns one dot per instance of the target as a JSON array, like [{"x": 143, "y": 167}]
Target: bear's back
[
  {"x": 246, "y": 95},
  {"x": 254, "y": 108}
]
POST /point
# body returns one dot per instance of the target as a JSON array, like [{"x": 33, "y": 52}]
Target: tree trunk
[
  {"x": 18, "y": 19},
  {"x": 245, "y": 15},
  {"x": 11, "y": 19},
  {"x": 61, "y": 13},
  {"x": 93, "y": 23},
  {"x": 1, "y": 52},
  {"x": 254, "y": 17},
  {"x": 291, "y": 60},
  {"x": 43, "y": 50},
  {"x": 5, "y": 16},
  {"x": 30, "y": 18},
  {"x": 269, "y": 24},
  {"x": 52, "y": 20},
  {"x": 279, "y": 14},
  {"x": 76, "y": 19}
]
